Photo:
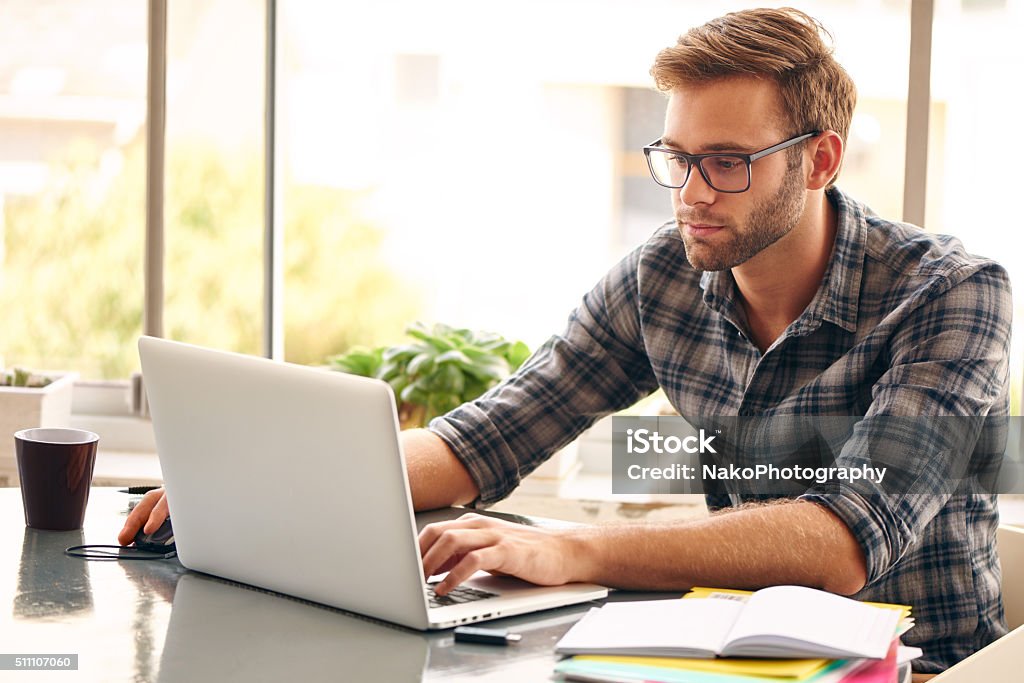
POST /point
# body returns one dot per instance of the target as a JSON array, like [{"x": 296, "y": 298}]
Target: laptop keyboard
[{"x": 457, "y": 596}]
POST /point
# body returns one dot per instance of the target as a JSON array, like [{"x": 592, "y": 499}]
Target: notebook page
[
  {"x": 786, "y": 616},
  {"x": 655, "y": 626}
]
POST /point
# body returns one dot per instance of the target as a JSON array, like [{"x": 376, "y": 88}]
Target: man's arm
[
  {"x": 436, "y": 477},
  {"x": 793, "y": 542}
]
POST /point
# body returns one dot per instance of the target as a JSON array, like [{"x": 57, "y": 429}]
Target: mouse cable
[{"x": 124, "y": 552}]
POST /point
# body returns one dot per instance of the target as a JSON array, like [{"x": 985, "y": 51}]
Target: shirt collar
[{"x": 837, "y": 298}]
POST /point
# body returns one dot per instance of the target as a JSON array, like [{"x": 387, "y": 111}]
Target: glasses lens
[
  {"x": 726, "y": 173},
  {"x": 667, "y": 168}
]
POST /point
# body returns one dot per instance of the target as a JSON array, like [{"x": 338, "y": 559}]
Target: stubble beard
[{"x": 770, "y": 220}]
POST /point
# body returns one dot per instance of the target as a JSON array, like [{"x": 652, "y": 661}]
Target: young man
[{"x": 772, "y": 293}]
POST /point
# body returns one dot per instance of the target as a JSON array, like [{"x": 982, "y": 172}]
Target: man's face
[{"x": 722, "y": 230}]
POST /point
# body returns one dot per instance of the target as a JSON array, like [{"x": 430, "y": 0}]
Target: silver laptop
[{"x": 292, "y": 479}]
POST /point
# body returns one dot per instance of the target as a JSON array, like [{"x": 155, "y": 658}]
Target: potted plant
[
  {"x": 30, "y": 399},
  {"x": 443, "y": 368}
]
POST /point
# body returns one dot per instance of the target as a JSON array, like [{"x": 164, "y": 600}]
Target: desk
[{"x": 157, "y": 621}]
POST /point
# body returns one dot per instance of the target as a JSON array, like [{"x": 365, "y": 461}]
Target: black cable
[{"x": 101, "y": 553}]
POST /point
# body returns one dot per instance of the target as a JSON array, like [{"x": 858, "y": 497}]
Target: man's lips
[{"x": 701, "y": 229}]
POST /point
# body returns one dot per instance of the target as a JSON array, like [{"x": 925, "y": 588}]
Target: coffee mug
[{"x": 55, "y": 466}]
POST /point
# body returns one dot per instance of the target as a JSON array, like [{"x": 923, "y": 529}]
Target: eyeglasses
[{"x": 728, "y": 172}]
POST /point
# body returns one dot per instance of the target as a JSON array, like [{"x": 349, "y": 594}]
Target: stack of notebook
[{"x": 783, "y": 634}]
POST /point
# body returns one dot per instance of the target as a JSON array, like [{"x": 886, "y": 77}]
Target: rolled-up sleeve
[
  {"x": 596, "y": 366},
  {"x": 947, "y": 376}
]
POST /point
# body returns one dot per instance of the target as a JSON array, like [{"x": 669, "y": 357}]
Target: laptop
[{"x": 292, "y": 479}]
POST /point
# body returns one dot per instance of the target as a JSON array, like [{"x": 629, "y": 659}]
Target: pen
[{"x": 486, "y": 636}]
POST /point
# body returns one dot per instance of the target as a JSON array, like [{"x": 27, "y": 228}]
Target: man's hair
[{"x": 784, "y": 45}]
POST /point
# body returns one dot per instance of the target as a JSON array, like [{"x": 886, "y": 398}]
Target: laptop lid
[{"x": 286, "y": 477}]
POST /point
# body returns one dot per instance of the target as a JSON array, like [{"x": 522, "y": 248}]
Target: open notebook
[{"x": 781, "y": 621}]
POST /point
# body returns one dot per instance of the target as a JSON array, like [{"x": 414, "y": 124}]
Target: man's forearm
[
  {"x": 436, "y": 477},
  {"x": 794, "y": 542}
]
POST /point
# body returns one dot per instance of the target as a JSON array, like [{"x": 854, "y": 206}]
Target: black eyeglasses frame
[{"x": 698, "y": 160}]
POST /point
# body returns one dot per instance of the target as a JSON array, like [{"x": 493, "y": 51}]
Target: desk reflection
[
  {"x": 50, "y": 583},
  {"x": 222, "y": 631}
]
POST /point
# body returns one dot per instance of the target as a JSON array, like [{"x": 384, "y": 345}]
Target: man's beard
[{"x": 770, "y": 220}]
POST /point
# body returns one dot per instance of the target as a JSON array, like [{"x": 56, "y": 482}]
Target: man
[{"x": 773, "y": 293}]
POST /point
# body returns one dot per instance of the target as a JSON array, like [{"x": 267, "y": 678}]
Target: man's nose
[{"x": 696, "y": 190}]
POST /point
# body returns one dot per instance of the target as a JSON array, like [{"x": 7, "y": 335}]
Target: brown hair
[{"x": 784, "y": 45}]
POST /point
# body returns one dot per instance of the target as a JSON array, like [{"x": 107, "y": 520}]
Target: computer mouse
[{"x": 160, "y": 541}]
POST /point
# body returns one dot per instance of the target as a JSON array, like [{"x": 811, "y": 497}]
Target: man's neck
[{"x": 777, "y": 285}]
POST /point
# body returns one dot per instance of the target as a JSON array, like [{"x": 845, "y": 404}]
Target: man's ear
[{"x": 826, "y": 154}]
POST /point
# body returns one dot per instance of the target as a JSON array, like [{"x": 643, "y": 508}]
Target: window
[
  {"x": 972, "y": 170},
  {"x": 72, "y": 116}
]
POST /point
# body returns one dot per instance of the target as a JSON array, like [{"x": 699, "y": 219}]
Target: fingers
[
  {"x": 432, "y": 532},
  {"x": 158, "y": 515},
  {"x": 459, "y": 544},
  {"x": 149, "y": 514},
  {"x": 476, "y": 560},
  {"x": 452, "y": 547}
]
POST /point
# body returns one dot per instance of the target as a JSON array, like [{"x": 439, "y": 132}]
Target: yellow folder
[{"x": 782, "y": 669}]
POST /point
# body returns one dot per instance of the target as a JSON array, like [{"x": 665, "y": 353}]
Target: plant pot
[{"x": 23, "y": 408}]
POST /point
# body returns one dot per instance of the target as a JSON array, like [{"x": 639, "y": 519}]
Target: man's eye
[{"x": 727, "y": 163}]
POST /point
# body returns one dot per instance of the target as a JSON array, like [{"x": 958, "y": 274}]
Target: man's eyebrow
[{"x": 721, "y": 146}]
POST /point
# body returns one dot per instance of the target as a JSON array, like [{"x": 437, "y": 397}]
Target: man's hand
[
  {"x": 473, "y": 542},
  {"x": 149, "y": 514}
]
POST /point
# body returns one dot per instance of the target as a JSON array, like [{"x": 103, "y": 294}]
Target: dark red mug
[{"x": 55, "y": 465}]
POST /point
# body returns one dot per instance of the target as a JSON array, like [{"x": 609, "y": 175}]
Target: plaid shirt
[{"x": 904, "y": 323}]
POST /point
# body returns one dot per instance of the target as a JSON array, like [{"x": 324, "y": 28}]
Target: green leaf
[
  {"x": 489, "y": 371},
  {"x": 414, "y": 394},
  {"x": 440, "y": 404},
  {"x": 389, "y": 371},
  {"x": 422, "y": 364},
  {"x": 403, "y": 352},
  {"x": 491, "y": 342},
  {"x": 517, "y": 354},
  {"x": 477, "y": 354},
  {"x": 453, "y": 356},
  {"x": 462, "y": 334},
  {"x": 447, "y": 380},
  {"x": 437, "y": 342},
  {"x": 398, "y": 384},
  {"x": 474, "y": 388},
  {"x": 357, "y": 361},
  {"x": 21, "y": 376}
]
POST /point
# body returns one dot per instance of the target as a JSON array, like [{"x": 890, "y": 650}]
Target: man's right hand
[{"x": 148, "y": 515}]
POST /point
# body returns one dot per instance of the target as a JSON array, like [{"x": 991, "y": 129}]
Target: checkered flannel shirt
[{"x": 904, "y": 323}]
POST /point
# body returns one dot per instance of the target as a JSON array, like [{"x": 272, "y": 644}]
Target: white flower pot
[{"x": 23, "y": 408}]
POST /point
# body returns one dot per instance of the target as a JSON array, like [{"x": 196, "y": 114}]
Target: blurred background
[{"x": 473, "y": 163}]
